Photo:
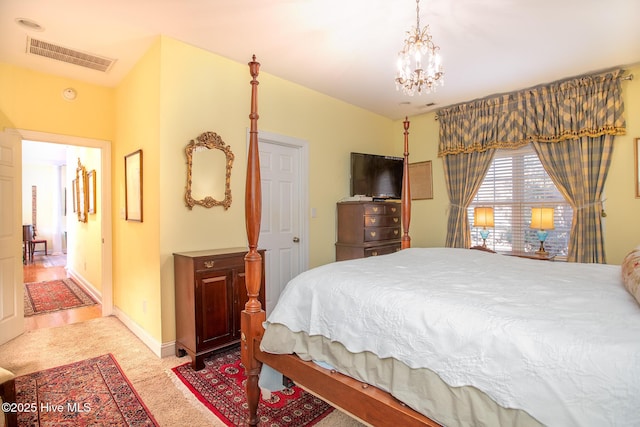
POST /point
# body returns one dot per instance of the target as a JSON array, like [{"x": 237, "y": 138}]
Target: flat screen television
[{"x": 376, "y": 176}]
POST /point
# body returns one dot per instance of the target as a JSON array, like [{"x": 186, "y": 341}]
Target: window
[{"x": 515, "y": 183}]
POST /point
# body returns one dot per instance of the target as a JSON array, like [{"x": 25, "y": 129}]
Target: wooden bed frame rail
[{"x": 366, "y": 403}]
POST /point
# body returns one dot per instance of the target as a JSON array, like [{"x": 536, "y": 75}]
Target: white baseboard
[
  {"x": 86, "y": 285},
  {"x": 159, "y": 349}
]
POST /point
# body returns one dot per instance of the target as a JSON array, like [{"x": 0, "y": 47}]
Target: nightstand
[{"x": 530, "y": 255}]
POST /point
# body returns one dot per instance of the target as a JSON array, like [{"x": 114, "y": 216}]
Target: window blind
[{"x": 515, "y": 183}]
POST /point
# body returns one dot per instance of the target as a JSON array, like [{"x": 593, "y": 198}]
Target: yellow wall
[
  {"x": 203, "y": 92},
  {"x": 85, "y": 258},
  {"x": 428, "y": 226},
  {"x": 136, "y": 269},
  {"x": 622, "y": 229},
  {"x": 33, "y": 101}
]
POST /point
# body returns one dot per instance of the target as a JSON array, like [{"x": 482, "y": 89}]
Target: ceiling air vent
[{"x": 70, "y": 56}]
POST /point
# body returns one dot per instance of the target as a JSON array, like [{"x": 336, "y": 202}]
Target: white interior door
[
  {"x": 11, "y": 274},
  {"x": 284, "y": 223}
]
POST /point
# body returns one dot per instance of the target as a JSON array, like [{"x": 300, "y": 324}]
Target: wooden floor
[{"x": 51, "y": 267}]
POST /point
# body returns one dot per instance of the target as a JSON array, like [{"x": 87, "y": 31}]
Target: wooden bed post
[
  {"x": 406, "y": 191},
  {"x": 252, "y": 315}
]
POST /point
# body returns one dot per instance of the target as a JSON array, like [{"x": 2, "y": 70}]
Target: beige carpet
[{"x": 166, "y": 397}]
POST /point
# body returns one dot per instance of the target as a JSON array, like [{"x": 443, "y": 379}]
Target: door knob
[{"x": 296, "y": 239}]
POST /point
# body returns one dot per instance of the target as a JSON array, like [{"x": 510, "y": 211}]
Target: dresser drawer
[
  {"x": 381, "y": 221},
  {"x": 344, "y": 252},
  {"x": 381, "y": 250},
  {"x": 374, "y": 234},
  {"x": 203, "y": 264},
  {"x": 381, "y": 209}
]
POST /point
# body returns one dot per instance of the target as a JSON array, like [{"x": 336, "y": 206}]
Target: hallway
[{"x": 51, "y": 267}]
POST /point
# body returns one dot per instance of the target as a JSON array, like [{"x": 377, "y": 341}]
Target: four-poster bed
[
  {"x": 360, "y": 400},
  {"x": 449, "y": 307}
]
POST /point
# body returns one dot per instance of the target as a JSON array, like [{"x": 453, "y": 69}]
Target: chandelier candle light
[
  {"x": 542, "y": 219},
  {"x": 419, "y": 52}
]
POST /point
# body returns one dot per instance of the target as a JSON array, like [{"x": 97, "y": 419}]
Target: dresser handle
[
  {"x": 393, "y": 209},
  {"x": 395, "y": 232},
  {"x": 395, "y": 219},
  {"x": 372, "y": 233},
  {"x": 373, "y": 220},
  {"x": 375, "y": 209},
  {"x": 209, "y": 264},
  {"x": 374, "y": 253}
]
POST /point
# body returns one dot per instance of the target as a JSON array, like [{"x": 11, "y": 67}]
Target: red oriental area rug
[
  {"x": 220, "y": 386},
  {"x": 54, "y": 295},
  {"x": 92, "y": 392}
]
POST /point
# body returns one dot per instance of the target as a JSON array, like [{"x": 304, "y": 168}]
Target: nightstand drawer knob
[{"x": 209, "y": 264}]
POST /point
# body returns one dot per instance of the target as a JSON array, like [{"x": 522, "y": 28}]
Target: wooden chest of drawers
[
  {"x": 210, "y": 293},
  {"x": 367, "y": 229}
]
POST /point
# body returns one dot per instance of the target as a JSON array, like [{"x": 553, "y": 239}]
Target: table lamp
[
  {"x": 542, "y": 219},
  {"x": 483, "y": 217}
]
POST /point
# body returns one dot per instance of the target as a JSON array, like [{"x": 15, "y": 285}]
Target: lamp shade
[
  {"x": 542, "y": 218},
  {"x": 483, "y": 217}
]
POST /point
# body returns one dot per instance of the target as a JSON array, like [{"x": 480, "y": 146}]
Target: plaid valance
[{"x": 569, "y": 109}]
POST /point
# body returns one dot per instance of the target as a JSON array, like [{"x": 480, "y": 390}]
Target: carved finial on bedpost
[
  {"x": 253, "y": 200},
  {"x": 406, "y": 190},
  {"x": 252, "y": 316}
]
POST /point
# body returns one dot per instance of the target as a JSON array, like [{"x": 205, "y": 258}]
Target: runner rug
[
  {"x": 54, "y": 295},
  {"x": 92, "y": 392},
  {"x": 220, "y": 386}
]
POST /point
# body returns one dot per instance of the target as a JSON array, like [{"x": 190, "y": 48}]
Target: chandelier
[{"x": 419, "y": 63}]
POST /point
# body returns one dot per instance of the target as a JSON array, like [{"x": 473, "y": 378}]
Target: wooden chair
[{"x": 34, "y": 242}]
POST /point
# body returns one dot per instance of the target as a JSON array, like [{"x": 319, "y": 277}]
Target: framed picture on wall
[
  {"x": 91, "y": 189},
  {"x": 133, "y": 186},
  {"x": 421, "y": 180},
  {"x": 636, "y": 148},
  {"x": 73, "y": 195},
  {"x": 81, "y": 192}
]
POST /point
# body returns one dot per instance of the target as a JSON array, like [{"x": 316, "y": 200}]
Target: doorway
[{"x": 103, "y": 205}]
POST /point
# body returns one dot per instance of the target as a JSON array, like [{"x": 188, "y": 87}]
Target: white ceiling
[{"x": 344, "y": 48}]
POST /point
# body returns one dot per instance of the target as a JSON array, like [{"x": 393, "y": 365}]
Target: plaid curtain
[
  {"x": 463, "y": 175},
  {"x": 585, "y": 106},
  {"x": 579, "y": 169},
  {"x": 570, "y": 110}
]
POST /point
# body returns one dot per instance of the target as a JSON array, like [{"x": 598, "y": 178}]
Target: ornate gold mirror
[
  {"x": 206, "y": 156},
  {"x": 81, "y": 192}
]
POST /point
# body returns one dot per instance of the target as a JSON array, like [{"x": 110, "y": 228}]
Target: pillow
[{"x": 631, "y": 273}]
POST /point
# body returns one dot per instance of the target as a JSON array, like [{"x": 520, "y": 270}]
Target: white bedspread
[{"x": 559, "y": 340}]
